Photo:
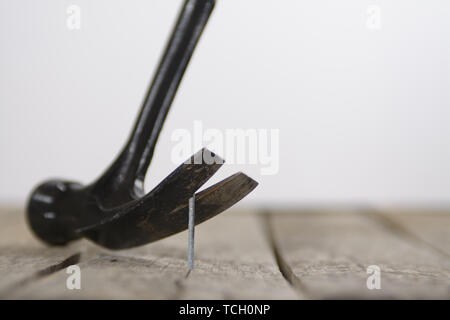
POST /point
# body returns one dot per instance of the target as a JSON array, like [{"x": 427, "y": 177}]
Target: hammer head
[{"x": 61, "y": 211}]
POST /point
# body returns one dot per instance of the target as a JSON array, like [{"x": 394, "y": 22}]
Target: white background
[{"x": 363, "y": 115}]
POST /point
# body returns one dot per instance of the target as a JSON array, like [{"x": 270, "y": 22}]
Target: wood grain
[
  {"x": 430, "y": 227},
  {"x": 302, "y": 254},
  {"x": 233, "y": 260},
  {"x": 329, "y": 252}
]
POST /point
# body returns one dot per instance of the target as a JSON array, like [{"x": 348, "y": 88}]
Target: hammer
[{"x": 114, "y": 211}]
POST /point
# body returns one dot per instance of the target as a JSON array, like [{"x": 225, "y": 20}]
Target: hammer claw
[{"x": 140, "y": 226}]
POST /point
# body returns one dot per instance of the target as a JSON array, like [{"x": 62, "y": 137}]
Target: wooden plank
[
  {"x": 431, "y": 227},
  {"x": 233, "y": 260},
  {"x": 22, "y": 257},
  {"x": 328, "y": 253}
]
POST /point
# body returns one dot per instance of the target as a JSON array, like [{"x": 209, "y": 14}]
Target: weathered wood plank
[
  {"x": 233, "y": 260},
  {"x": 23, "y": 259},
  {"x": 329, "y": 252},
  {"x": 428, "y": 226}
]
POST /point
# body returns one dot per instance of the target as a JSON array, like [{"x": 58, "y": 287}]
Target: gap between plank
[
  {"x": 399, "y": 229},
  {"x": 283, "y": 266},
  {"x": 71, "y": 260}
]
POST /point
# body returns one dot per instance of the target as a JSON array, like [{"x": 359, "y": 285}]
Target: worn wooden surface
[{"x": 300, "y": 254}]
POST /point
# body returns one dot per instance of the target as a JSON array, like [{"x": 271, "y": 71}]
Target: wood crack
[
  {"x": 400, "y": 230},
  {"x": 71, "y": 260},
  {"x": 283, "y": 266}
]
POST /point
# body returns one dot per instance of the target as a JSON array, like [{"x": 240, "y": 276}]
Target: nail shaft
[{"x": 191, "y": 228}]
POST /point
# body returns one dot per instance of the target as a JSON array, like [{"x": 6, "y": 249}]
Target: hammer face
[{"x": 50, "y": 211}]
